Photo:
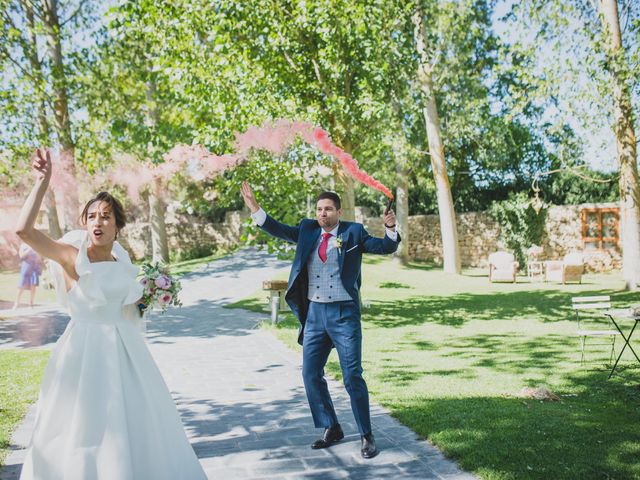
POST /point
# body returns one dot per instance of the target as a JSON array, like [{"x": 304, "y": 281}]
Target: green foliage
[
  {"x": 283, "y": 187},
  {"x": 29, "y": 82},
  {"x": 331, "y": 62},
  {"x": 198, "y": 251},
  {"x": 582, "y": 185},
  {"x": 570, "y": 181},
  {"x": 520, "y": 225}
]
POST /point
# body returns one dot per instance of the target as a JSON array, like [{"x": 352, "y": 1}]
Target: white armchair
[
  {"x": 569, "y": 269},
  {"x": 502, "y": 267}
]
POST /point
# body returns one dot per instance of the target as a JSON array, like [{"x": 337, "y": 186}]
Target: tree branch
[
  {"x": 37, "y": 13},
  {"x": 23, "y": 43},
  {"x": 74, "y": 14},
  {"x": 7, "y": 54},
  {"x": 26, "y": 73}
]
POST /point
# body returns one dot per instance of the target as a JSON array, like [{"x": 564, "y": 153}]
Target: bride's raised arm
[{"x": 59, "y": 252}]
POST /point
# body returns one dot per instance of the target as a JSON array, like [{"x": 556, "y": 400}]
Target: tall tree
[
  {"x": 448, "y": 227},
  {"x": 133, "y": 107},
  {"x": 29, "y": 66},
  {"x": 157, "y": 205},
  {"x": 153, "y": 82}
]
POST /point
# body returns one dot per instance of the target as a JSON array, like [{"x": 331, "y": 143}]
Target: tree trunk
[
  {"x": 55, "y": 231},
  {"x": 345, "y": 187},
  {"x": 402, "y": 185},
  {"x": 157, "y": 207},
  {"x": 402, "y": 207},
  {"x": 448, "y": 227},
  {"x": 626, "y": 146},
  {"x": 43, "y": 124},
  {"x": 61, "y": 110}
]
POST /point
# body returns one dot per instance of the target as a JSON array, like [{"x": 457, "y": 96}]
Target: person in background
[{"x": 30, "y": 270}]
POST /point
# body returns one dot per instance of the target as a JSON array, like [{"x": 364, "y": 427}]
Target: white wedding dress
[{"x": 104, "y": 411}]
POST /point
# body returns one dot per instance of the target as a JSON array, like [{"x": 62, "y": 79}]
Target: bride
[{"x": 104, "y": 411}]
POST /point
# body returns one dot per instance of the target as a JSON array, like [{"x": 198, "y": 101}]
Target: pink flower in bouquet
[
  {"x": 144, "y": 282},
  {"x": 163, "y": 282},
  {"x": 165, "y": 299}
]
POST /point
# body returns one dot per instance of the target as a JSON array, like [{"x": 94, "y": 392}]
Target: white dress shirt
[{"x": 261, "y": 216}]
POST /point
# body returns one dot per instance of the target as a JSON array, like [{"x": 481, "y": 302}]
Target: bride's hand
[{"x": 42, "y": 164}]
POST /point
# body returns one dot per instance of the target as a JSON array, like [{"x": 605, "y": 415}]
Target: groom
[{"x": 324, "y": 294}]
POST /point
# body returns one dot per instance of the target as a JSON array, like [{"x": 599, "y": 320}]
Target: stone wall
[
  {"x": 564, "y": 234},
  {"x": 478, "y": 233},
  {"x": 479, "y": 236},
  {"x": 187, "y": 236}
]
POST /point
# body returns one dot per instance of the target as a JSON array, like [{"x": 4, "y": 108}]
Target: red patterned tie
[{"x": 322, "y": 251}]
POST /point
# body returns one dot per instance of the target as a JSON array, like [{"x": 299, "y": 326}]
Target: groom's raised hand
[
  {"x": 390, "y": 219},
  {"x": 248, "y": 197}
]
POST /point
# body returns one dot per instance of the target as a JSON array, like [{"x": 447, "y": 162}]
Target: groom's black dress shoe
[
  {"x": 330, "y": 436},
  {"x": 369, "y": 449}
]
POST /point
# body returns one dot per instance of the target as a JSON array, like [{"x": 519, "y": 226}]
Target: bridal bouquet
[{"x": 160, "y": 288}]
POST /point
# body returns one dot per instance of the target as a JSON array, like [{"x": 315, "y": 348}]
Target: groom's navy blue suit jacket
[{"x": 355, "y": 242}]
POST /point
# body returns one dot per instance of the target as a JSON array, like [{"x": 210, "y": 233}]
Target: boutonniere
[{"x": 339, "y": 243}]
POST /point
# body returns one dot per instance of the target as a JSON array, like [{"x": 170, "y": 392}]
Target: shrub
[{"x": 520, "y": 225}]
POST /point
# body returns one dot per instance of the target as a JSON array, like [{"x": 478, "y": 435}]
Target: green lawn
[
  {"x": 448, "y": 356},
  {"x": 20, "y": 375}
]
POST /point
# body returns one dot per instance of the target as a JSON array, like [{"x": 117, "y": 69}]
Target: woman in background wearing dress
[{"x": 30, "y": 270}]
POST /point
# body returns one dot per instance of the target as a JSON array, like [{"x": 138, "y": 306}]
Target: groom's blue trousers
[{"x": 336, "y": 324}]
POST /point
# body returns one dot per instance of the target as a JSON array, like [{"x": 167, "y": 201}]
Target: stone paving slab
[{"x": 240, "y": 394}]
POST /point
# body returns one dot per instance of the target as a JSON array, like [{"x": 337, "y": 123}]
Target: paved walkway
[{"x": 239, "y": 390}]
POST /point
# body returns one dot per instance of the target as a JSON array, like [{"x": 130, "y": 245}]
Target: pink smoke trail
[
  {"x": 133, "y": 176},
  {"x": 197, "y": 162},
  {"x": 350, "y": 164},
  {"x": 278, "y": 136},
  {"x": 193, "y": 160}
]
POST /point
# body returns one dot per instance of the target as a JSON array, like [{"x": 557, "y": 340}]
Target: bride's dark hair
[{"x": 116, "y": 209}]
